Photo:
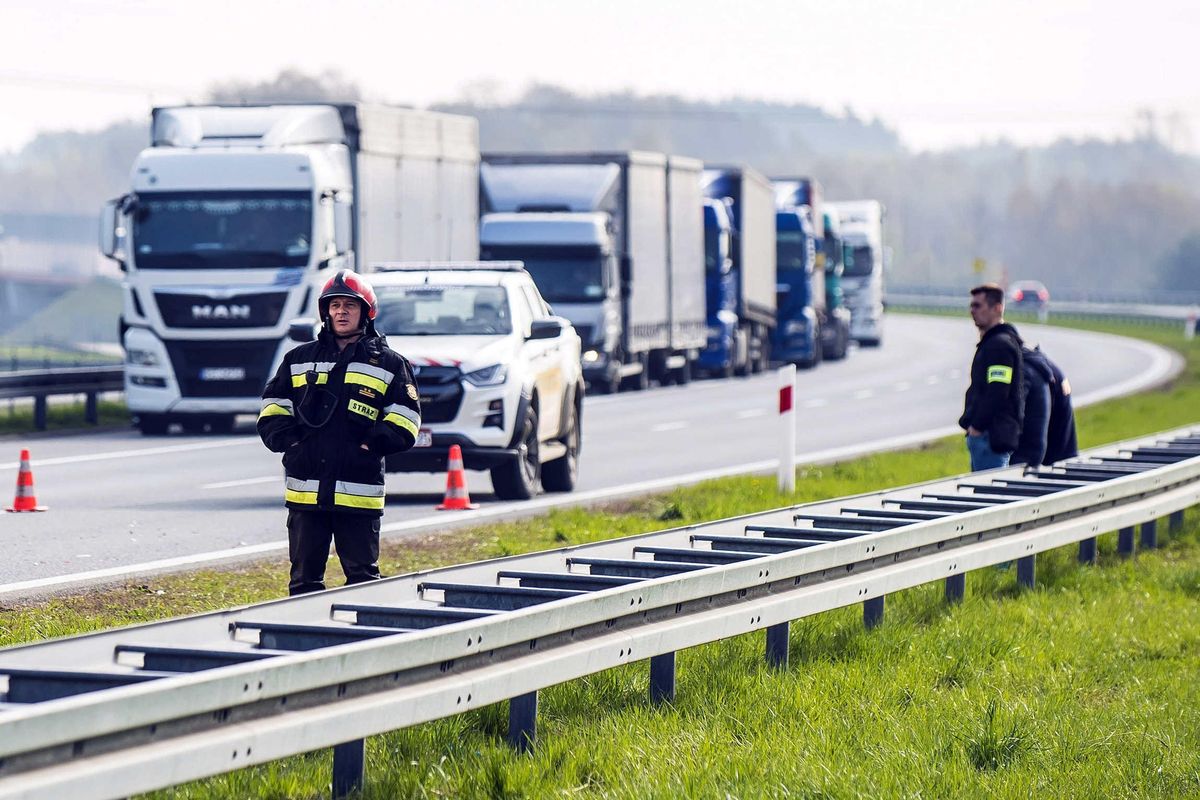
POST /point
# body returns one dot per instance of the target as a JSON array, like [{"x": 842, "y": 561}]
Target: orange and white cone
[
  {"x": 457, "y": 498},
  {"x": 25, "y": 499}
]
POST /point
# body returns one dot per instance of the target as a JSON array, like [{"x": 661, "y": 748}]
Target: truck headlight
[
  {"x": 141, "y": 358},
  {"x": 494, "y": 375},
  {"x": 592, "y": 357},
  {"x": 794, "y": 326}
]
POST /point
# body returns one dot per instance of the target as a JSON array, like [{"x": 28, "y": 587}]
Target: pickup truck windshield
[
  {"x": 562, "y": 274},
  {"x": 222, "y": 230},
  {"x": 791, "y": 251},
  {"x": 859, "y": 262},
  {"x": 427, "y": 310}
]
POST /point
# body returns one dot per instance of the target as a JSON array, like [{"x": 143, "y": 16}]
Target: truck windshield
[
  {"x": 712, "y": 250},
  {"x": 562, "y": 274},
  {"x": 859, "y": 261},
  {"x": 791, "y": 251},
  {"x": 426, "y": 310},
  {"x": 222, "y": 230}
]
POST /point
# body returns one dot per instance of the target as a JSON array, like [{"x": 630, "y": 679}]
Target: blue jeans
[{"x": 983, "y": 456}]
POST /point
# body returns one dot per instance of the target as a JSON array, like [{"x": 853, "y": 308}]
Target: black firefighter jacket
[
  {"x": 995, "y": 398},
  {"x": 322, "y": 406}
]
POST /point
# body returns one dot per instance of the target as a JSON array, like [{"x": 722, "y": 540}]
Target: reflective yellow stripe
[
  {"x": 299, "y": 380},
  {"x": 366, "y": 380},
  {"x": 402, "y": 422},
  {"x": 357, "y": 501},
  {"x": 370, "y": 412},
  {"x": 308, "y": 498},
  {"x": 999, "y": 373},
  {"x": 274, "y": 410}
]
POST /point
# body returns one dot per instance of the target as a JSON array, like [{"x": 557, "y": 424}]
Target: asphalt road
[{"x": 122, "y": 503}]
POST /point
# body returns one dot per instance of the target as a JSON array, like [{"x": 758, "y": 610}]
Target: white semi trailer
[
  {"x": 236, "y": 216},
  {"x": 863, "y": 274}
]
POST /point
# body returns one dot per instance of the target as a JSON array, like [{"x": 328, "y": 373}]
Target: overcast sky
[{"x": 941, "y": 72}]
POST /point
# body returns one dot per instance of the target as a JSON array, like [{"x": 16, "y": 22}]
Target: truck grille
[
  {"x": 222, "y": 368},
  {"x": 441, "y": 392},
  {"x": 249, "y": 310}
]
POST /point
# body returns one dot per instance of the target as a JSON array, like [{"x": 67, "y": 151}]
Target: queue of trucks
[{"x": 665, "y": 267}]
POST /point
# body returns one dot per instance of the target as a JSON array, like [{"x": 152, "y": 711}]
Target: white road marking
[
  {"x": 902, "y": 386},
  {"x": 752, "y": 412},
  {"x": 242, "y": 482},
  {"x": 663, "y": 427},
  {"x": 863, "y": 394},
  {"x": 145, "y": 451},
  {"x": 933, "y": 379},
  {"x": 815, "y": 402}
]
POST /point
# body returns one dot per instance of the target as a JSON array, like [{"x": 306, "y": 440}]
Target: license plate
[
  {"x": 424, "y": 439},
  {"x": 223, "y": 374}
]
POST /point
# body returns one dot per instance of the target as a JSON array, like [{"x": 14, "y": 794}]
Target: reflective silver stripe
[
  {"x": 360, "y": 489},
  {"x": 297, "y": 485},
  {"x": 374, "y": 372},
  {"x": 404, "y": 411},
  {"x": 319, "y": 366},
  {"x": 282, "y": 402}
]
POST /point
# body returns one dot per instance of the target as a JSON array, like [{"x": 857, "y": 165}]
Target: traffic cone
[
  {"x": 25, "y": 500},
  {"x": 457, "y": 498}
]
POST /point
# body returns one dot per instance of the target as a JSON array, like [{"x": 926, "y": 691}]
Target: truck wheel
[
  {"x": 683, "y": 375},
  {"x": 520, "y": 479},
  {"x": 153, "y": 424},
  {"x": 560, "y": 474}
]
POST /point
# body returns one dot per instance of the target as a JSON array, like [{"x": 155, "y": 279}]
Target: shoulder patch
[
  {"x": 412, "y": 391},
  {"x": 366, "y": 391},
  {"x": 998, "y": 373}
]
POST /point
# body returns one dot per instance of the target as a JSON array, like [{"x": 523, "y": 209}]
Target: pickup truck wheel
[
  {"x": 560, "y": 474},
  {"x": 520, "y": 479}
]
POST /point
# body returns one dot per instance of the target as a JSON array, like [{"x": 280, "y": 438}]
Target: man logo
[{"x": 221, "y": 312}]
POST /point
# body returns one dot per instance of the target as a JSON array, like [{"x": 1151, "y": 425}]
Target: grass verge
[
  {"x": 63, "y": 417},
  {"x": 1086, "y": 687}
]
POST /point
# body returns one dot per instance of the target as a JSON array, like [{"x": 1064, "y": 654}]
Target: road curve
[{"x": 122, "y": 504}]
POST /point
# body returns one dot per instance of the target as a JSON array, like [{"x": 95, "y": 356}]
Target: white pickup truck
[{"x": 499, "y": 374}]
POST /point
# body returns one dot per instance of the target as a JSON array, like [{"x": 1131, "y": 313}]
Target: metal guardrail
[
  {"x": 1135, "y": 312},
  {"x": 42, "y": 384},
  {"x": 119, "y": 712}
]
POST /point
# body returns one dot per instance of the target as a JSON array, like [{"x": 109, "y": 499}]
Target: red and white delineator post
[{"x": 787, "y": 420}]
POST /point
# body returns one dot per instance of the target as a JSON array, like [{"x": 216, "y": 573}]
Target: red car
[{"x": 1028, "y": 295}]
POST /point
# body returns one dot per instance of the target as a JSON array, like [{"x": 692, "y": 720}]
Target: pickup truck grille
[{"x": 441, "y": 392}]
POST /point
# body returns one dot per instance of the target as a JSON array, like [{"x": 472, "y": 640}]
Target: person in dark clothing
[
  {"x": 335, "y": 409},
  {"x": 1060, "y": 433},
  {"x": 994, "y": 402},
  {"x": 1038, "y": 380}
]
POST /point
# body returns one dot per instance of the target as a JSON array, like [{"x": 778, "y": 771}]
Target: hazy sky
[{"x": 942, "y": 72}]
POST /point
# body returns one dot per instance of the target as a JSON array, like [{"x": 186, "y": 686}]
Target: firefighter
[
  {"x": 994, "y": 403},
  {"x": 335, "y": 409}
]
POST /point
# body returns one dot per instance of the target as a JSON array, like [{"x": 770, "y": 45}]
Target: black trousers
[{"x": 309, "y": 535}]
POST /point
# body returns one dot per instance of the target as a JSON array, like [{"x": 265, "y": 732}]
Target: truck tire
[
  {"x": 561, "y": 474},
  {"x": 682, "y": 376},
  {"x": 153, "y": 424},
  {"x": 520, "y": 479}
]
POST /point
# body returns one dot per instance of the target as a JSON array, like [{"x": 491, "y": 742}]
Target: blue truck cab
[
  {"x": 800, "y": 288},
  {"x": 720, "y": 284}
]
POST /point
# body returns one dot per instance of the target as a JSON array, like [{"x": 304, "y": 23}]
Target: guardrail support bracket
[
  {"x": 1125, "y": 541},
  {"x": 522, "y": 722},
  {"x": 39, "y": 412},
  {"x": 1175, "y": 522},
  {"x": 1087, "y": 551},
  {"x": 349, "y": 760},
  {"x": 1150, "y": 534},
  {"x": 1026, "y": 571},
  {"x": 777, "y": 645},
  {"x": 956, "y": 587},
  {"x": 873, "y": 612},
  {"x": 662, "y": 679},
  {"x": 90, "y": 411}
]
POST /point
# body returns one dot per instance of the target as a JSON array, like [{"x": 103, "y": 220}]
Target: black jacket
[
  {"x": 1039, "y": 385},
  {"x": 323, "y": 405},
  {"x": 994, "y": 401},
  {"x": 1060, "y": 433}
]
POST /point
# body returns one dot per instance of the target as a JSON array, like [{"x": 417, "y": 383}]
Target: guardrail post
[
  {"x": 349, "y": 760},
  {"x": 90, "y": 411},
  {"x": 522, "y": 722},
  {"x": 39, "y": 412},
  {"x": 873, "y": 612},
  {"x": 662, "y": 678},
  {"x": 956, "y": 587},
  {"x": 1125, "y": 541},
  {"x": 777, "y": 645},
  {"x": 1150, "y": 534},
  {"x": 1175, "y": 522},
  {"x": 1026, "y": 570},
  {"x": 1087, "y": 551}
]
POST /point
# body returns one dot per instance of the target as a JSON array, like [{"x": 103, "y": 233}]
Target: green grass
[
  {"x": 63, "y": 417},
  {"x": 1086, "y": 687}
]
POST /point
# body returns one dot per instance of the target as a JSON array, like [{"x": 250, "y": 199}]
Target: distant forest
[{"x": 1082, "y": 216}]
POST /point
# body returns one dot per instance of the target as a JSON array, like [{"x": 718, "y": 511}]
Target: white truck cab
[{"x": 499, "y": 374}]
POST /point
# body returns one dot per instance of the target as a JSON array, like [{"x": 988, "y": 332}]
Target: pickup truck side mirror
[
  {"x": 545, "y": 329},
  {"x": 302, "y": 330}
]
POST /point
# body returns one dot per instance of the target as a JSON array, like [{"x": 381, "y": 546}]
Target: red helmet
[{"x": 345, "y": 283}]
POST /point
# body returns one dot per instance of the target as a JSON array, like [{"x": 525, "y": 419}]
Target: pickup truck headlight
[
  {"x": 494, "y": 375},
  {"x": 141, "y": 358}
]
